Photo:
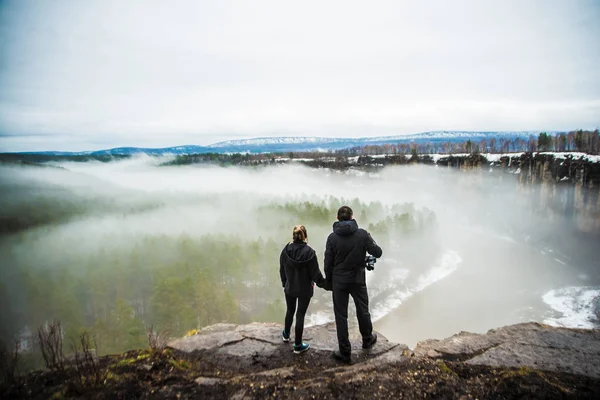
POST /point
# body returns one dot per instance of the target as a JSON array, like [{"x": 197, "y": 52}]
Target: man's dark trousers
[{"x": 341, "y": 293}]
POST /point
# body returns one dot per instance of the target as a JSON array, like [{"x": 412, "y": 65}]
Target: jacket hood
[
  {"x": 298, "y": 254},
  {"x": 345, "y": 228}
]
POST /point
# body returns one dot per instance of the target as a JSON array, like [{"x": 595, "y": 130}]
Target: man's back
[
  {"x": 345, "y": 270},
  {"x": 345, "y": 252}
]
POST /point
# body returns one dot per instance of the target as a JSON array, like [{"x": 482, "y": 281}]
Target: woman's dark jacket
[{"x": 299, "y": 268}]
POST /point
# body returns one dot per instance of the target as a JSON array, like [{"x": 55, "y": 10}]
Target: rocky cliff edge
[
  {"x": 563, "y": 361},
  {"x": 228, "y": 361}
]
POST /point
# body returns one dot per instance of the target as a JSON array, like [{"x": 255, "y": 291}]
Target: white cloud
[{"x": 127, "y": 73}]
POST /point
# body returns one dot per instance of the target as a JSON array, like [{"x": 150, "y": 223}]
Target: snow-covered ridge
[
  {"x": 306, "y": 143},
  {"x": 275, "y": 140},
  {"x": 459, "y": 135},
  {"x": 261, "y": 141}
]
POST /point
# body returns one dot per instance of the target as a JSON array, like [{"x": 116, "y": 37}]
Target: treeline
[
  {"x": 49, "y": 204},
  {"x": 399, "y": 219},
  {"x": 580, "y": 140},
  {"x": 33, "y": 158},
  {"x": 212, "y": 158}
]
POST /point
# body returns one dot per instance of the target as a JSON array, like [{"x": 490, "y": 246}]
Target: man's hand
[{"x": 327, "y": 286}]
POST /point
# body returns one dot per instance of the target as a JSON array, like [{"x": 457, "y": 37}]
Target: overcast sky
[{"x": 83, "y": 75}]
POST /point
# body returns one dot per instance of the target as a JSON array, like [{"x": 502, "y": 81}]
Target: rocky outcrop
[
  {"x": 506, "y": 360},
  {"x": 531, "y": 345},
  {"x": 228, "y": 361},
  {"x": 258, "y": 346}
]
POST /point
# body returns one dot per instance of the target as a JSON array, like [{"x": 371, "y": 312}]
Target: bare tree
[
  {"x": 9, "y": 358},
  {"x": 157, "y": 340},
  {"x": 51, "y": 344},
  {"x": 87, "y": 364}
]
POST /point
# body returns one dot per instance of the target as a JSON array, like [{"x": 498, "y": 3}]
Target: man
[{"x": 345, "y": 253}]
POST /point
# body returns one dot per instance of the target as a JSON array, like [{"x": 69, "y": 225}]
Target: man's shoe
[
  {"x": 369, "y": 343},
  {"x": 285, "y": 336},
  {"x": 301, "y": 348},
  {"x": 342, "y": 357}
]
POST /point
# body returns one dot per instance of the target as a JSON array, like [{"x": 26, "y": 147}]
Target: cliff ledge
[{"x": 251, "y": 362}]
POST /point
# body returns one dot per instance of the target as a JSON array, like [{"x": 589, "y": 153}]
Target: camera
[{"x": 370, "y": 262}]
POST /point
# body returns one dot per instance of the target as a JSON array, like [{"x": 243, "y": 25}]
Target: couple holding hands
[{"x": 344, "y": 267}]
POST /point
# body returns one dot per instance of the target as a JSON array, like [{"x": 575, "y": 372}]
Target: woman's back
[{"x": 300, "y": 266}]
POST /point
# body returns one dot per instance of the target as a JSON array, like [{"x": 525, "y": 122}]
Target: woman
[{"x": 299, "y": 270}]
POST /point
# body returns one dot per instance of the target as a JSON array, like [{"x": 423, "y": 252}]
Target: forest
[
  {"x": 584, "y": 141},
  {"x": 119, "y": 285}
]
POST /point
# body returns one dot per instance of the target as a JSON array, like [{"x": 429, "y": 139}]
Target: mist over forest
[{"x": 116, "y": 248}]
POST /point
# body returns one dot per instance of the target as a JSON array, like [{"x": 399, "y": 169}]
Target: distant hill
[
  {"x": 306, "y": 143},
  {"x": 128, "y": 151}
]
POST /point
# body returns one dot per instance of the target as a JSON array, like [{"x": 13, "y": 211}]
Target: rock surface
[
  {"x": 228, "y": 361},
  {"x": 531, "y": 345},
  {"x": 261, "y": 344}
]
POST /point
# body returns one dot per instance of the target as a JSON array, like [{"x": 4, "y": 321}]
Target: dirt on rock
[{"x": 256, "y": 364}]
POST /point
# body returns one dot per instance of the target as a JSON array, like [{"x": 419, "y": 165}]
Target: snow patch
[{"x": 576, "y": 306}]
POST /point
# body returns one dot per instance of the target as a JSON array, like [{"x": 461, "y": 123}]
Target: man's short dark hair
[{"x": 344, "y": 213}]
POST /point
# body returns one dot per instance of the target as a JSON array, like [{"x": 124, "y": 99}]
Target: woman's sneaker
[
  {"x": 301, "y": 348},
  {"x": 285, "y": 336}
]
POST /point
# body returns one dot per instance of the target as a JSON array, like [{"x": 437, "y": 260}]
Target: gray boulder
[{"x": 531, "y": 345}]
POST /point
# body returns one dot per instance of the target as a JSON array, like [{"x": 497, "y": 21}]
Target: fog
[{"x": 186, "y": 246}]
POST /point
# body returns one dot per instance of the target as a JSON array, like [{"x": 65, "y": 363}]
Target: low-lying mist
[{"x": 117, "y": 247}]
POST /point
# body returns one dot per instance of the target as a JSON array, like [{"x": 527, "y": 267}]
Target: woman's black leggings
[{"x": 303, "y": 303}]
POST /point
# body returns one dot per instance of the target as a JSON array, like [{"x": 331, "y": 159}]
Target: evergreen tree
[
  {"x": 544, "y": 142},
  {"x": 469, "y": 146}
]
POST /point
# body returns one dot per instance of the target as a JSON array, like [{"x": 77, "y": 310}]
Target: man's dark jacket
[
  {"x": 345, "y": 253},
  {"x": 299, "y": 268}
]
